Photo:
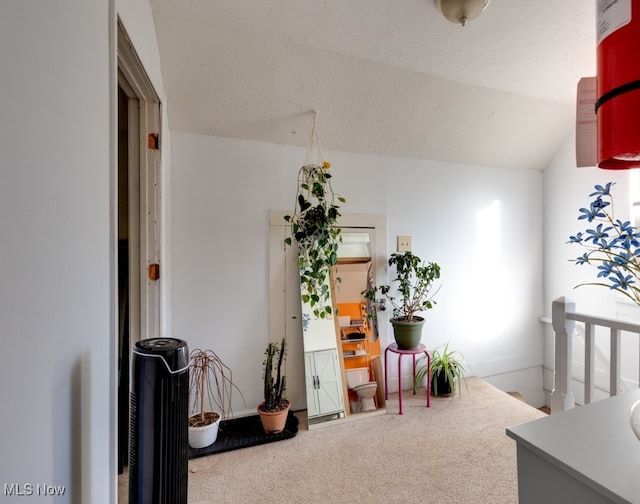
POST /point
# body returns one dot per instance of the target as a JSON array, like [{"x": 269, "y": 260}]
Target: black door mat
[{"x": 245, "y": 432}]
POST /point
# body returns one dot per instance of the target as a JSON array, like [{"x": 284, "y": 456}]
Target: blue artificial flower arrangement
[{"x": 612, "y": 246}]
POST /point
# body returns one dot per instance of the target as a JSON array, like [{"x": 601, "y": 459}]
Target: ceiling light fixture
[{"x": 461, "y": 11}]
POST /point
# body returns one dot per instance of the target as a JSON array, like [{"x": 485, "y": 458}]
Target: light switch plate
[{"x": 404, "y": 243}]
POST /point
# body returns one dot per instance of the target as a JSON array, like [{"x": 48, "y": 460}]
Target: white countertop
[{"x": 593, "y": 443}]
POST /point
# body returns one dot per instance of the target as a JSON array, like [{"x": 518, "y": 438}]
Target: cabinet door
[
  {"x": 310, "y": 377},
  {"x": 328, "y": 382}
]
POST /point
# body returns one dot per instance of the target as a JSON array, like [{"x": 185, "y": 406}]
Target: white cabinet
[
  {"x": 587, "y": 455},
  {"x": 324, "y": 385}
]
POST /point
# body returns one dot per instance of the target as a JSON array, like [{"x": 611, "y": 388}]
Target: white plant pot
[{"x": 200, "y": 437}]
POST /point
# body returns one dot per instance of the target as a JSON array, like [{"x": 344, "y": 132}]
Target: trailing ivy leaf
[{"x": 314, "y": 227}]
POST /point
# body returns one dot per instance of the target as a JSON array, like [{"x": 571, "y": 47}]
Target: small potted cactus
[{"x": 274, "y": 409}]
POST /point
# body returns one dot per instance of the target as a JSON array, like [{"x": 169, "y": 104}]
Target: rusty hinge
[
  {"x": 154, "y": 141},
  {"x": 154, "y": 271}
]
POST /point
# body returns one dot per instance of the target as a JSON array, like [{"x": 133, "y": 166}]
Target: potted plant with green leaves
[
  {"x": 274, "y": 409},
  {"x": 415, "y": 278},
  {"x": 446, "y": 373},
  {"x": 210, "y": 386},
  {"x": 313, "y": 226}
]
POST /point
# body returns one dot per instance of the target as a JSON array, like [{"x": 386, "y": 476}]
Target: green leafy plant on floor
[{"x": 447, "y": 363}]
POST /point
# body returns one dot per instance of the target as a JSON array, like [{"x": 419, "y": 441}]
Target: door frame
[
  {"x": 144, "y": 212},
  {"x": 145, "y": 112}
]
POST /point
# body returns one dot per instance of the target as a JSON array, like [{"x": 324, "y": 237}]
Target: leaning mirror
[{"x": 342, "y": 355}]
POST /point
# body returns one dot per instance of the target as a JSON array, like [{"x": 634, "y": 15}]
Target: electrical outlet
[{"x": 404, "y": 243}]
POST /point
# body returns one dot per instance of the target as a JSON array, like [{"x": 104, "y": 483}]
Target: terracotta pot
[
  {"x": 407, "y": 334},
  {"x": 273, "y": 422}
]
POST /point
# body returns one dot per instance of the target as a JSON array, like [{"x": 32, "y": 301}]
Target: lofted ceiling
[{"x": 387, "y": 77}]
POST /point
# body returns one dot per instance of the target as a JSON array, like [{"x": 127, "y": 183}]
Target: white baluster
[
  {"x": 589, "y": 362},
  {"x": 562, "y": 395},
  {"x": 615, "y": 379}
]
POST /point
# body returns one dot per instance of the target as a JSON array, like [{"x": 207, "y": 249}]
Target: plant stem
[{"x": 205, "y": 365}]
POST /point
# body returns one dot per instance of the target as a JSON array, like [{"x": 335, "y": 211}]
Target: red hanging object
[{"x": 618, "y": 83}]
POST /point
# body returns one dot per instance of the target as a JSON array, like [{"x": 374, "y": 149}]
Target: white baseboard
[{"x": 527, "y": 382}]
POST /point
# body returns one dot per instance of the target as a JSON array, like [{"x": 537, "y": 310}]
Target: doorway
[{"x": 138, "y": 220}]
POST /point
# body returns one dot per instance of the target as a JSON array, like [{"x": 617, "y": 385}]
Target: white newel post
[{"x": 562, "y": 395}]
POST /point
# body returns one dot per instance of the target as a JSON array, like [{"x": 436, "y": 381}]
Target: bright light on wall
[
  {"x": 486, "y": 300},
  {"x": 489, "y": 235}
]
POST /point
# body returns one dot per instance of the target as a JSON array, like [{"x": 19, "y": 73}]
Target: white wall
[
  {"x": 57, "y": 366},
  {"x": 55, "y": 267},
  {"x": 566, "y": 189},
  {"x": 483, "y": 225}
]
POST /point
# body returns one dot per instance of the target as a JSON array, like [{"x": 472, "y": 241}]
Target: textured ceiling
[{"x": 387, "y": 77}]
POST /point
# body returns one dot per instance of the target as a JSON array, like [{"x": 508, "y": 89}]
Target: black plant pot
[{"x": 443, "y": 386}]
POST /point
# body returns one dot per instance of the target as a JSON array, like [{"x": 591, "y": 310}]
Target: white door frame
[
  {"x": 144, "y": 118},
  {"x": 144, "y": 190}
]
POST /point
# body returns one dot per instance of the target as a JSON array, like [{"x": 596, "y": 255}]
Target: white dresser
[{"x": 586, "y": 455}]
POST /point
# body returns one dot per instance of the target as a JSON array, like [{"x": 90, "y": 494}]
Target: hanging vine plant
[{"x": 314, "y": 228}]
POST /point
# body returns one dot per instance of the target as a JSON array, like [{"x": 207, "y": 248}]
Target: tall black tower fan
[{"x": 158, "y": 430}]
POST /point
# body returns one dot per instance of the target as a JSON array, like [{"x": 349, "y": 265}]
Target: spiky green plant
[
  {"x": 275, "y": 383},
  {"x": 449, "y": 363}
]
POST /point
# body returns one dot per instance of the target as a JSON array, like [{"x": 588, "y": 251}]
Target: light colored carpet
[{"x": 454, "y": 452}]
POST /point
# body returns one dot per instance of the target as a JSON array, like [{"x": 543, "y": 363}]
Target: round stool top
[{"x": 419, "y": 349}]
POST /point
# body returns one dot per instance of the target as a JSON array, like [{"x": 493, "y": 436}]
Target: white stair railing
[{"x": 564, "y": 317}]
